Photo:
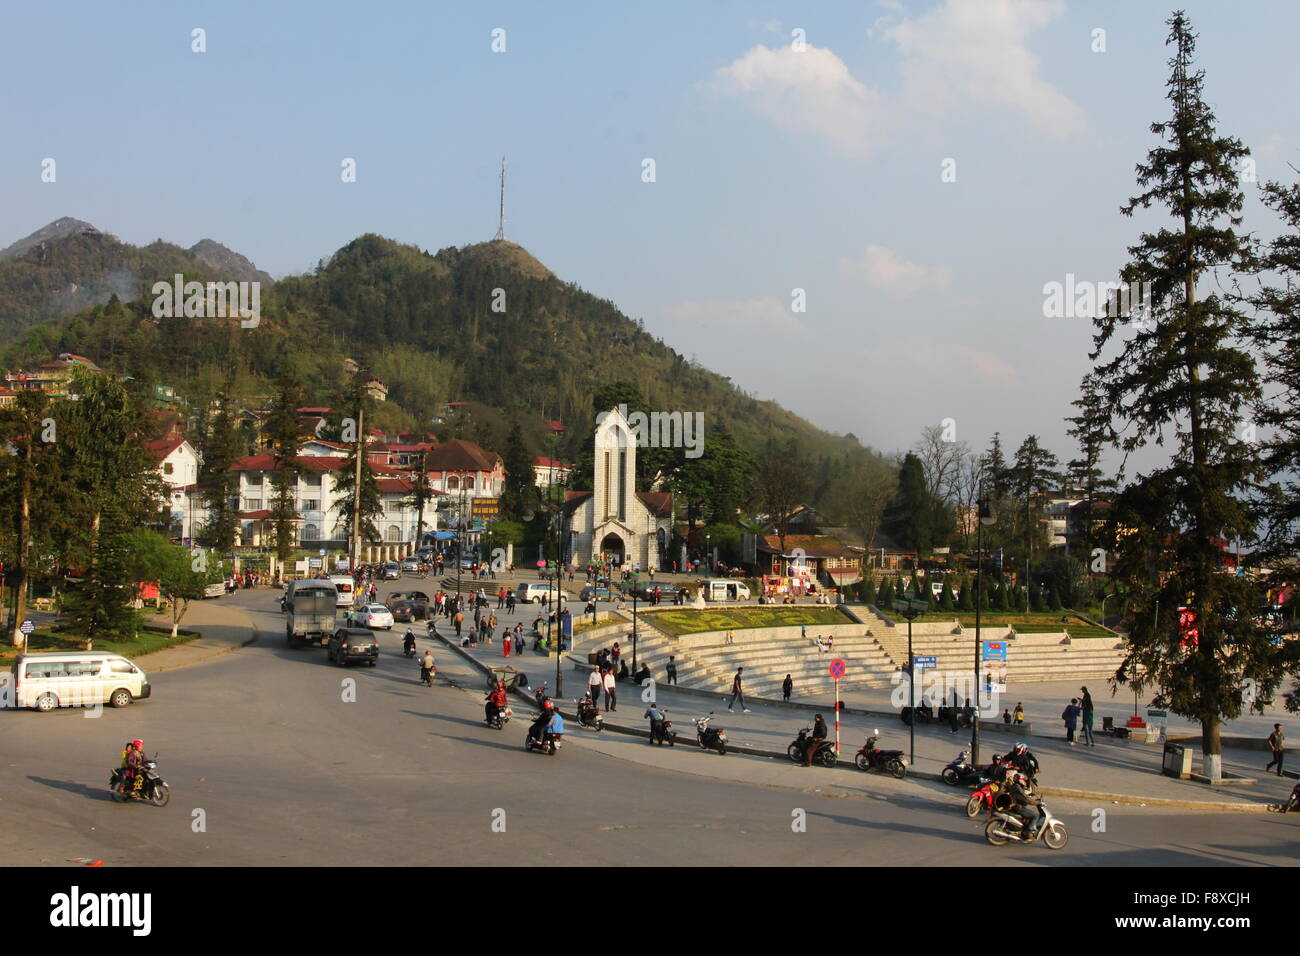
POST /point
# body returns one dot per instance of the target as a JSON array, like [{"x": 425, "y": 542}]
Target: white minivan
[
  {"x": 345, "y": 586},
  {"x": 720, "y": 589},
  {"x": 75, "y": 679},
  {"x": 535, "y": 592}
]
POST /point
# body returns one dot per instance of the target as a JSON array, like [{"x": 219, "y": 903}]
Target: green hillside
[{"x": 423, "y": 323}]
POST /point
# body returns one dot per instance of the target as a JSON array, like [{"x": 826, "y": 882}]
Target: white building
[
  {"x": 178, "y": 466},
  {"x": 614, "y": 523},
  {"x": 548, "y": 471}
]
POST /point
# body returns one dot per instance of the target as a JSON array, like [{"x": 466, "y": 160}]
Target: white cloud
[
  {"x": 940, "y": 362},
  {"x": 959, "y": 55},
  {"x": 806, "y": 92},
  {"x": 977, "y": 50},
  {"x": 759, "y": 315},
  {"x": 882, "y": 268}
]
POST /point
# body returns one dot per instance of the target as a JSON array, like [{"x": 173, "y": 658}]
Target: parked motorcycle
[
  {"x": 154, "y": 788},
  {"x": 1292, "y": 803},
  {"x": 961, "y": 772},
  {"x": 589, "y": 715},
  {"x": 709, "y": 738},
  {"x": 798, "y": 749},
  {"x": 883, "y": 761},
  {"x": 1006, "y": 827}
]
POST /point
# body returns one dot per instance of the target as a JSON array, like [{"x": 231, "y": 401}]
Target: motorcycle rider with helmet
[
  {"x": 408, "y": 642},
  {"x": 1023, "y": 799},
  {"x": 542, "y": 720},
  {"x": 426, "y": 666},
  {"x": 495, "y": 702},
  {"x": 1023, "y": 760}
]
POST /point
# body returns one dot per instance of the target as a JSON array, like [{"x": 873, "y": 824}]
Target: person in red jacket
[{"x": 496, "y": 700}]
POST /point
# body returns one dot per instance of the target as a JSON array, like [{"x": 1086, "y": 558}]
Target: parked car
[
  {"x": 600, "y": 592},
  {"x": 391, "y": 571},
  {"x": 467, "y": 562},
  {"x": 411, "y": 565},
  {"x": 666, "y": 591},
  {"x": 350, "y": 644},
  {"x": 45, "y": 681},
  {"x": 406, "y": 596},
  {"x": 373, "y": 616},
  {"x": 214, "y": 590},
  {"x": 404, "y": 612}
]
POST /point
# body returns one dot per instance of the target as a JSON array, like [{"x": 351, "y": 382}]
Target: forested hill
[
  {"x": 426, "y": 325},
  {"x": 68, "y": 266}
]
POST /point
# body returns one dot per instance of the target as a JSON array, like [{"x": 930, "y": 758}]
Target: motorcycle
[
  {"x": 154, "y": 788},
  {"x": 549, "y": 745},
  {"x": 709, "y": 738},
  {"x": 661, "y": 732},
  {"x": 1006, "y": 827},
  {"x": 924, "y": 715},
  {"x": 428, "y": 674},
  {"x": 990, "y": 795},
  {"x": 798, "y": 749},
  {"x": 886, "y": 761},
  {"x": 961, "y": 772},
  {"x": 501, "y": 718},
  {"x": 408, "y": 645},
  {"x": 589, "y": 714}
]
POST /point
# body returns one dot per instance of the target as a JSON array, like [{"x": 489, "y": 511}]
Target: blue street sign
[
  {"x": 926, "y": 663},
  {"x": 27, "y": 626}
]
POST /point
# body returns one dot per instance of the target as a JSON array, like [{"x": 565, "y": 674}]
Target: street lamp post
[
  {"x": 634, "y": 581},
  {"x": 986, "y": 516}
]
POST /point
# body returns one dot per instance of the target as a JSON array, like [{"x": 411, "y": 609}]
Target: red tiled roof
[
  {"x": 550, "y": 463},
  {"x": 313, "y": 410},
  {"x": 161, "y": 448},
  {"x": 813, "y": 545},
  {"x": 460, "y": 455}
]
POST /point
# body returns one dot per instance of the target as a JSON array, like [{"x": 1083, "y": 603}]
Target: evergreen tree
[
  {"x": 518, "y": 493},
  {"x": 1185, "y": 374},
  {"x": 995, "y": 469},
  {"x": 282, "y": 427},
  {"x": 223, "y": 447},
  {"x": 885, "y": 596},
  {"x": 946, "y": 602},
  {"x": 964, "y": 601},
  {"x": 909, "y": 519},
  {"x": 868, "y": 590},
  {"x": 1054, "y": 598},
  {"x": 1091, "y": 428},
  {"x": 345, "y": 481},
  {"x": 1036, "y": 602}
]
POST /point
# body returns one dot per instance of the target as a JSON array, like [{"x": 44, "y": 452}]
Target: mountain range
[{"x": 485, "y": 323}]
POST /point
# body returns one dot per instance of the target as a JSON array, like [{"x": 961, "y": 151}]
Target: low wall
[{"x": 792, "y": 634}]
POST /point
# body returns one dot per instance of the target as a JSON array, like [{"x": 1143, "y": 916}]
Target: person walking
[
  {"x": 1276, "y": 743},
  {"x": 1018, "y": 715},
  {"x": 787, "y": 687},
  {"x": 953, "y": 714},
  {"x": 737, "y": 693},
  {"x": 1085, "y": 707},
  {"x": 505, "y": 643},
  {"x": 594, "y": 684},
  {"x": 730, "y": 638},
  {"x": 611, "y": 695},
  {"x": 672, "y": 669},
  {"x": 458, "y": 620},
  {"x": 1071, "y": 717}
]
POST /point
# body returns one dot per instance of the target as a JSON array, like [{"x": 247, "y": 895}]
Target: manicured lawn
[
  {"x": 1045, "y": 622},
  {"x": 46, "y": 639},
  {"x": 691, "y": 621}
]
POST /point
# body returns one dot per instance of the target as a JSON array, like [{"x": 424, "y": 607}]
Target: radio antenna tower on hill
[{"x": 501, "y": 219}]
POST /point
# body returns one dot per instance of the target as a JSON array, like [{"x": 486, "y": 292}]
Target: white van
[
  {"x": 535, "y": 592},
  {"x": 344, "y": 584},
  {"x": 75, "y": 679},
  {"x": 721, "y": 589}
]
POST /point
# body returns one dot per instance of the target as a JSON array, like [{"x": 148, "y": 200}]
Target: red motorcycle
[{"x": 989, "y": 795}]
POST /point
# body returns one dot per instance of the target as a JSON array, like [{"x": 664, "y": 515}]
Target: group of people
[
  {"x": 610, "y": 668},
  {"x": 1079, "y": 709}
]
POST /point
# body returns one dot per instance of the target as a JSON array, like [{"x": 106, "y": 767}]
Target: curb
[
  {"x": 256, "y": 633},
  {"x": 1119, "y": 798}
]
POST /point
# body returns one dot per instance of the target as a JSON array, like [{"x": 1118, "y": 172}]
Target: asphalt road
[{"x": 270, "y": 765}]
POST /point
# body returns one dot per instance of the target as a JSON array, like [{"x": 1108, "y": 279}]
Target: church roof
[
  {"x": 459, "y": 455},
  {"x": 574, "y": 499},
  {"x": 659, "y": 503}
]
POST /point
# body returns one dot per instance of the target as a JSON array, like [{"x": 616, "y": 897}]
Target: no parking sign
[{"x": 837, "y": 671}]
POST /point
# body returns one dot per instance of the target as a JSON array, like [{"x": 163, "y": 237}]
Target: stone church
[{"x": 614, "y": 523}]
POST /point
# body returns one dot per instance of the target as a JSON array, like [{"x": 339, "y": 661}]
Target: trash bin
[{"x": 1177, "y": 761}]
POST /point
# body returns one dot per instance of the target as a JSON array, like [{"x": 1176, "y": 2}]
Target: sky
[{"x": 849, "y": 208}]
